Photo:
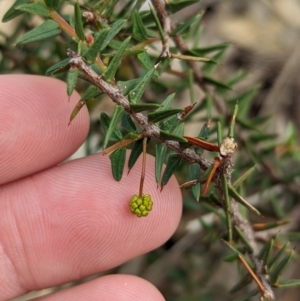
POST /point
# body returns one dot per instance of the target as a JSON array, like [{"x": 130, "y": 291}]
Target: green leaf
[
  {"x": 127, "y": 86},
  {"x": 167, "y": 102},
  {"x": 53, "y": 4},
  {"x": 138, "y": 31},
  {"x": 117, "y": 160},
  {"x": 115, "y": 28},
  {"x": 136, "y": 94},
  {"x": 227, "y": 204},
  {"x": 232, "y": 258},
  {"x": 244, "y": 239},
  {"x": 280, "y": 268},
  {"x": 208, "y": 68},
  {"x": 112, "y": 68},
  {"x": 91, "y": 92},
  {"x": 91, "y": 54},
  {"x": 194, "y": 174},
  {"x": 172, "y": 164},
  {"x": 168, "y": 136},
  {"x": 288, "y": 283},
  {"x": 244, "y": 176},
  {"x": 247, "y": 296},
  {"x": 117, "y": 114},
  {"x": 105, "y": 121},
  {"x": 205, "y": 50},
  {"x": 160, "y": 155},
  {"x": 139, "y": 107},
  {"x": 46, "y": 30},
  {"x": 78, "y": 22},
  {"x": 158, "y": 25},
  {"x": 176, "y": 5},
  {"x": 275, "y": 259},
  {"x": 13, "y": 12},
  {"x": 127, "y": 123},
  {"x": 234, "y": 194},
  {"x": 183, "y": 26},
  {"x": 242, "y": 283},
  {"x": 161, "y": 115},
  {"x": 216, "y": 83},
  {"x": 72, "y": 80},
  {"x": 136, "y": 151},
  {"x": 258, "y": 137},
  {"x": 59, "y": 67},
  {"x": 36, "y": 8},
  {"x": 145, "y": 59}
]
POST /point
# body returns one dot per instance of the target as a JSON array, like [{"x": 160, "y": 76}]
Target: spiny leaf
[
  {"x": 242, "y": 283},
  {"x": 172, "y": 164},
  {"x": 231, "y": 258},
  {"x": 288, "y": 283},
  {"x": 46, "y": 30},
  {"x": 91, "y": 54},
  {"x": 161, "y": 115},
  {"x": 59, "y": 67},
  {"x": 112, "y": 68},
  {"x": 275, "y": 259},
  {"x": 175, "y": 5},
  {"x": 76, "y": 110},
  {"x": 280, "y": 268},
  {"x": 160, "y": 155},
  {"x": 194, "y": 174},
  {"x": 117, "y": 114},
  {"x": 244, "y": 176},
  {"x": 181, "y": 27},
  {"x": 127, "y": 86},
  {"x": 78, "y": 22},
  {"x": 167, "y": 102},
  {"x": 168, "y": 136},
  {"x": 216, "y": 83},
  {"x": 36, "y": 8},
  {"x": 53, "y": 4},
  {"x": 137, "y": 149},
  {"x": 205, "y": 50},
  {"x": 144, "y": 58},
  {"x": 208, "y": 68},
  {"x": 127, "y": 123},
  {"x": 247, "y": 296},
  {"x": 91, "y": 92},
  {"x": 244, "y": 239},
  {"x": 117, "y": 159},
  {"x": 227, "y": 204},
  {"x": 72, "y": 80},
  {"x": 136, "y": 94},
  {"x": 139, "y": 31},
  {"x": 115, "y": 28},
  {"x": 139, "y": 107},
  {"x": 13, "y": 12},
  {"x": 158, "y": 25},
  {"x": 105, "y": 121}
]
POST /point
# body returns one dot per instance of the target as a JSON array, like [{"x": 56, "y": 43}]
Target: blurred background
[{"x": 265, "y": 43}]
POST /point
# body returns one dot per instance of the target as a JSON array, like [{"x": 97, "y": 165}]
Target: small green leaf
[
  {"x": 288, "y": 283},
  {"x": 112, "y": 68},
  {"x": 136, "y": 151},
  {"x": 78, "y": 22},
  {"x": 275, "y": 259},
  {"x": 280, "y": 268},
  {"x": 117, "y": 159},
  {"x": 244, "y": 176},
  {"x": 139, "y": 31},
  {"x": 216, "y": 83},
  {"x": 91, "y": 92},
  {"x": 242, "y": 283},
  {"x": 247, "y": 296},
  {"x": 158, "y": 25},
  {"x": 161, "y": 115},
  {"x": 13, "y": 12},
  {"x": 167, "y": 102},
  {"x": 172, "y": 164},
  {"x": 205, "y": 50},
  {"x": 46, "y": 30},
  {"x": 105, "y": 121},
  {"x": 117, "y": 114},
  {"x": 181, "y": 27},
  {"x": 115, "y": 28},
  {"x": 72, "y": 80},
  {"x": 175, "y": 5},
  {"x": 227, "y": 204},
  {"x": 139, "y": 107},
  {"x": 53, "y": 4},
  {"x": 208, "y": 68},
  {"x": 127, "y": 123},
  {"x": 168, "y": 136},
  {"x": 59, "y": 67},
  {"x": 136, "y": 94},
  {"x": 91, "y": 54},
  {"x": 219, "y": 133},
  {"x": 160, "y": 155},
  {"x": 234, "y": 194},
  {"x": 145, "y": 59},
  {"x": 232, "y": 258},
  {"x": 36, "y": 8},
  {"x": 244, "y": 239},
  {"x": 127, "y": 86},
  {"x": 194, "y": 174}
]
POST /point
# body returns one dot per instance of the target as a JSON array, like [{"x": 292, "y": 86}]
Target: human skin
[{"x": 60, "y": 222}]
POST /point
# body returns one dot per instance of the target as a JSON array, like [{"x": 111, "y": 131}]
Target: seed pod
[{"x": 141, "y": 206}]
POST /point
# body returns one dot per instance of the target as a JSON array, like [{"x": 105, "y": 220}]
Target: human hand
[{"x": 59, "y": 223}]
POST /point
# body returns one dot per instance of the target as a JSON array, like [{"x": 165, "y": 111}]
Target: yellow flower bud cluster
[{"x": 141, "y": 206}]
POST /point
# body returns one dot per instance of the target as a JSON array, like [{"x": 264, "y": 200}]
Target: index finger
[{"x": 34, "y": 131}]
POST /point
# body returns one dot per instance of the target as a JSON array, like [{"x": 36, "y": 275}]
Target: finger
[
  {"x": 34, "y": 131},
  {"x": 73, "y": 220},
  {"x": 109, "y": 288}
]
